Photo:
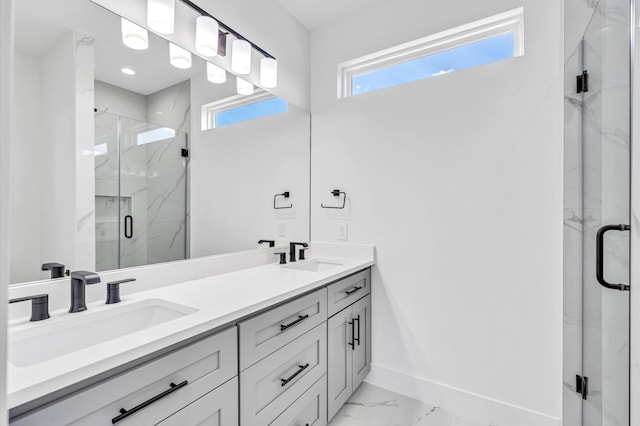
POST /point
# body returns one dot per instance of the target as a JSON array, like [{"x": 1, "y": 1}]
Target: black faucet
[
  {"x": 292, "y": 250},
  {"x": 57, "y": 269},
  {"x": 78, "y": 281},
  {"x": 272, "y": 243}
]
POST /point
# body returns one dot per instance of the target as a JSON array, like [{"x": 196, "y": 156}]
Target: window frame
[
  {"x": 503, "y": 23},
  {"x": 209, "y": 111}
]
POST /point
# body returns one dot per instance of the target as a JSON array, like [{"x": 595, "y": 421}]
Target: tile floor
[{"x": 374, "y": 406}]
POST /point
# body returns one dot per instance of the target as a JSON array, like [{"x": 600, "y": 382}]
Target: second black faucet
[{"x": 292, "y": 250}]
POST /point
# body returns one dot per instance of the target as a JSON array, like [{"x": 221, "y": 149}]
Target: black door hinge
[
  {"x": 185, "y": 152},
  {"x": 583, "y": 82},
  {"x": 582, "y": 386}
]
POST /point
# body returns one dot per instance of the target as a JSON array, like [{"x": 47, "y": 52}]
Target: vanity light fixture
[
  {"x": 244, "y": 87},
  {"x": 241, "y": 56},
  {"x": 127, "y": 71},
  {"x": 268, "y": 73},
  {"x": 134, "y": 36},
  {"x": 215, "y": 74},
  {"x": 160, "y": 15},
  {"x": 206, "y": 36},
  {"x": 179, "y": 57}
]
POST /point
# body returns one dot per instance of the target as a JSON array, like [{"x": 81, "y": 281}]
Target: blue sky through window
[
  {"x": 251, "y": 111},
  {"x": 478, "y": 53}
]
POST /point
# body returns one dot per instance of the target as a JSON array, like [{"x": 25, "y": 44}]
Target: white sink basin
[
  {"x": 313, "y": 265},
  {"x": 60, "y": 336}
]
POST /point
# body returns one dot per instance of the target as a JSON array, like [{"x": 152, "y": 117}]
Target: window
[
  {"x": 237, "y": 109},
  {"x": 489, "y": 40}
]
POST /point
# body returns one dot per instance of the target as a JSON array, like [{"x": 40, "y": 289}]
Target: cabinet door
[
  {"x": 217, "y": 408},
  {"x": 362, "y": 350},
  {"x": 339, "y": 376}
]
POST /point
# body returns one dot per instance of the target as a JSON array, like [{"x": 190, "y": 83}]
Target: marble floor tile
[{"x": 374, "y": 406}]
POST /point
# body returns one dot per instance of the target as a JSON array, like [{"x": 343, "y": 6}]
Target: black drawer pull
[
  {"x": 301, "y": 368},
  {"x": 352, "y": 343},
  {"x": 301, "y": 318},
  {"x": 350, "y": 292},
  {"x": 358, "y": 338},
  {"x": 124, "y": 413}
]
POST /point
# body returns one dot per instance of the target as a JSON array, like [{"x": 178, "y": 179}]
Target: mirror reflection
[{"x": 126, "y": 160}]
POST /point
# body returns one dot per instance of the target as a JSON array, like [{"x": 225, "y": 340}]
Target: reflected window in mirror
[{"x": 237, "y": 109}]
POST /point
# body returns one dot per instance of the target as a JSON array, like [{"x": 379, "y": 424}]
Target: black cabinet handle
[
  {"x": 600, "y": 256},
  {"x": 352, "y": 343},
  {"x": 291, "y": 324},
  {"x": 358, "y": 338},
  {"x": 301, "y": 368},
  {"x": 128, "y": 226},
  {"x": 124, "y": 413},
  {"x": 350, "y": 292}
]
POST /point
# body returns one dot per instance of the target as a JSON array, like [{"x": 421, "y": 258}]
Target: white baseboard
[{"x": 466, "y": 404}]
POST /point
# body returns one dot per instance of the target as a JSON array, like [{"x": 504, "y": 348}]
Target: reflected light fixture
[
  {"x": 179, "y": 57},
  {"x": 241, "y": 57},
  {"x": 206, "y": 36},
  {"x": 134, "y": 36},
  {"x": 160, "y": 15},
  {"x": 127, "y": 71},
  {"x": 244, "y": 87},
  {"x": 268, "y": 73},
  {"x": 215, "y": 74}
]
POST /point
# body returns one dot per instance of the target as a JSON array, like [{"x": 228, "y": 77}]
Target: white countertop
[{"x": 220, "y": 300}]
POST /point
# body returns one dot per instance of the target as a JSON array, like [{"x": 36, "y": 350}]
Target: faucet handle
[
  {"x": 283, "y": 257},
  {"x": 57, "y": 269},
  {"x": 39, "y": 306},
  {"x": 301, "y": 253},
  {"x": 113, "y": 290},
  {"x": 272, "y": 243}
]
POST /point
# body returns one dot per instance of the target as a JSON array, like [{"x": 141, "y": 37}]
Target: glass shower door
[
  {"x": 606, "y": 177},
  {"x": 152, "y": 193}
]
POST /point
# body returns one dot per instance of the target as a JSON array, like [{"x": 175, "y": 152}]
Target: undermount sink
[
  {"x": 74, "y": 332},
  {"x": 313, "y": 265}
]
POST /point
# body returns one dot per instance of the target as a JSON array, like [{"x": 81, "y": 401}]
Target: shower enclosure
[
  {"x": 141, "y": 190},
  {"x": 604, "y": 383}
]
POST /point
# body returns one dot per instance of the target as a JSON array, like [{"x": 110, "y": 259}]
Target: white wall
[
  {"x": 6, "y": 70},
  {"x": 235, "y": 172},
  {"x": 119, "y": 101},
  {"x": 457, "y": 180},
  {"x": 25, "y": 208}
]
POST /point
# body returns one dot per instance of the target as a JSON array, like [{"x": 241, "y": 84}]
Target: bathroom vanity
[{"x": 273, "y": 344}]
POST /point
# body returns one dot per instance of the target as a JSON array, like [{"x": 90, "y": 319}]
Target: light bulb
[
  {"x": 179, "y": 57},
  {"x": 160, "y": 15},
  {"x": 206, "y": 36},
  {"x": 134, "y": 36},
  {"x": 244, "y": 87},
  {"x": 268, "y": 73},
  {"x": 241, "y": 57},
  {"x": 215, "y": 74}
]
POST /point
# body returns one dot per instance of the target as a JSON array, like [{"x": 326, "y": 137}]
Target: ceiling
[
  {"x": 314, "y": 14},
  {"x": 41, "y": 24}
]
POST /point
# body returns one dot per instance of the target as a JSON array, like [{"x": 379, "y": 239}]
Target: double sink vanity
[{"x": 261, "y": 345}]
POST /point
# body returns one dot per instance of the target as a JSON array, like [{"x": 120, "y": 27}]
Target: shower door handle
[
  {"x": 128, "y": 226},
  {"x": 600, "y": 256}
]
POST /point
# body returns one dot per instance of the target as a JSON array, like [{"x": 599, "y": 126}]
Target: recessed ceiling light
[{"x": 128, "y": 71}]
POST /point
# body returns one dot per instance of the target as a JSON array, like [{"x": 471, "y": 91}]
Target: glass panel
[
  {"x": 605, "y": 128},
  {"x": 106, "y": 169},
  {"x": 250, "y": 111},
  {"x": 473, "y": 54},
  {"x": 152, "y": 193}
]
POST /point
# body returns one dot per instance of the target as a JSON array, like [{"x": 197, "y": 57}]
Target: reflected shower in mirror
[{"x": 122, "y": 159}]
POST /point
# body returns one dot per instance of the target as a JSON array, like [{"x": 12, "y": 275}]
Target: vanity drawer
[
  {"x": 203, "y": 366},
  {"x": 217, "y": 408},
  {"x": 268, "y": 332},
  {"x": 346, "y": 291},
  {"x": 310, "y": 409},
  {"x": 268, "y": 387}
]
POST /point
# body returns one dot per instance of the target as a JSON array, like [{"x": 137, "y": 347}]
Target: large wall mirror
[{"x": 121, "y": 159}]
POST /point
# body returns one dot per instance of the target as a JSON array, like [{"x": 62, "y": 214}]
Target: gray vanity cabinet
[{"x": 349, "y": 352}]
